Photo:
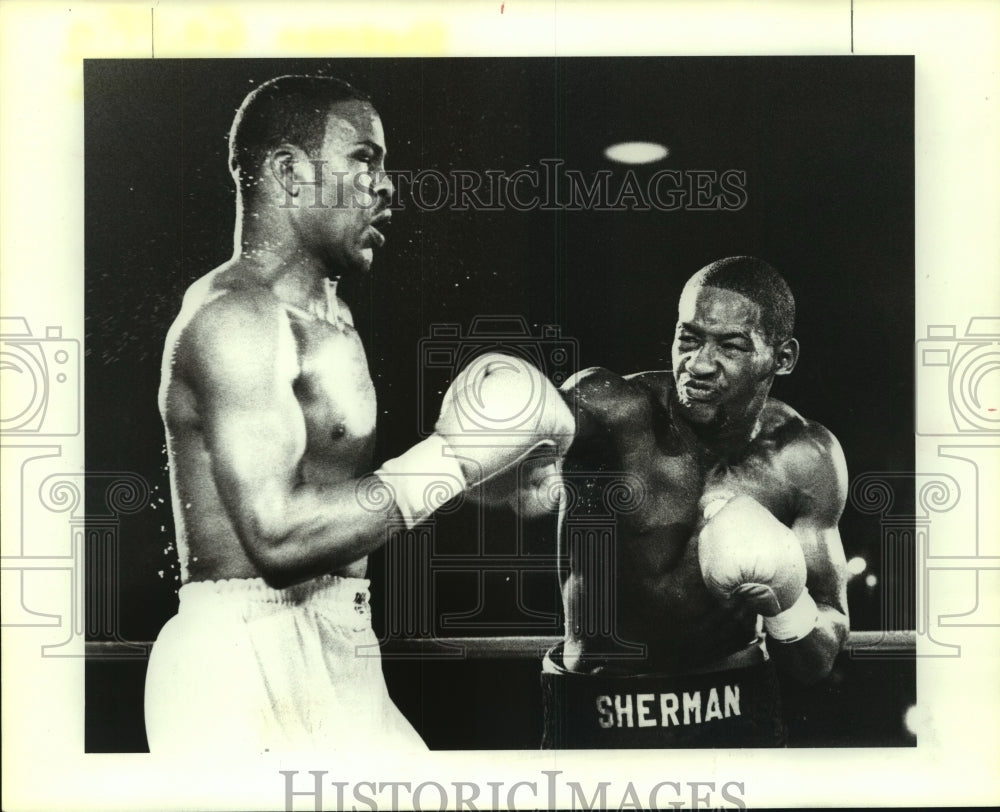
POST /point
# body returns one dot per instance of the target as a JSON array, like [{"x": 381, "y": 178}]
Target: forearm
[
  {"x": 532, "y": 490},
  {"x": 313, "y": 529},
  {"x": 811, "y": 658}
]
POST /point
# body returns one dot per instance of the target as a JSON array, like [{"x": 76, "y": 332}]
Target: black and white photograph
[
  {"x": 526, "y": 409},
  {"x": 637, "y": 325}
]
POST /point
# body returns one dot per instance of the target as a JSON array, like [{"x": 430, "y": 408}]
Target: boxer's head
[
  {"x": 734, "y": 334},
  {"x": 312, "y": 149}
]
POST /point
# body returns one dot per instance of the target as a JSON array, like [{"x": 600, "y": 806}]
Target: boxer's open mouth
[{"x": 374, "y": 234}]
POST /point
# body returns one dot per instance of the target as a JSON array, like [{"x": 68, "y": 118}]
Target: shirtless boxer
[
  {"x": 735, "y": 504},
  {"x": 269, "y": 412}
]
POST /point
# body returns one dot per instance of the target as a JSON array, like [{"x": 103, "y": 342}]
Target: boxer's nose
[
  {"x": 384, "y": 186},
  {"x": 702, "y": 361}
]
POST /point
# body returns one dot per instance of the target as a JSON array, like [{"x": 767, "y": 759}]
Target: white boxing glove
[
  {"x": 498, "y": 411},
  {"x": 746, "y": 553}
]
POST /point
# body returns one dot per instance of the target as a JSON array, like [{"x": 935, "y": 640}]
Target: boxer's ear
[
  {"x": 786, "y": 356},
  {"x": 290, "y": 168}
]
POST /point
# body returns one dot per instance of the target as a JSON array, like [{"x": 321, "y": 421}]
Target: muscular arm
[
  {"x": 590, "y": 394},
  {"x": 818, "y": 467},
  {"x": 239, "y": 358}
]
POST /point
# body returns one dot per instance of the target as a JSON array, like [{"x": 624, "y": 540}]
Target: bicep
[
  {"x": 822, "y": 480},
  {"x": 254, "y": 452},
  {"x": 253, "y": 427},
  {"x": 826, "y": 566}
]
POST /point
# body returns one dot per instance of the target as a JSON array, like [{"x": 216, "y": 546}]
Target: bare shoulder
[
  {"x": 656, "y": 379},
  {"x": 602, "y": 399},
  {"x": 591, "y": 381},
  {"x": 803, "y": 444},
  {"x": 598, "y": 391},
  {"x": 230, "y": 332},
  {"x": 809, "y": 453}
]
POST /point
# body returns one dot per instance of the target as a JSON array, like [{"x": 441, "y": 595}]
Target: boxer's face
[
  {"x": 722, "y": 363},
  {"x": 356, "y": 191}
]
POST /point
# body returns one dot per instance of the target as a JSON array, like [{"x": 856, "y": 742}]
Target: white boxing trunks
[{"x": 244, "y": 667}]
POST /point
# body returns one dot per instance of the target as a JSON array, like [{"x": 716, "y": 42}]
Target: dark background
[{"x": 827, "y": 147}]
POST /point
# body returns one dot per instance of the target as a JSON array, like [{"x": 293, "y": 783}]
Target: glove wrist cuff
[
  {"x": 795, "y": 622},
  {"x": 423, "y": 478},
  {"x": 715, "y": 504}
]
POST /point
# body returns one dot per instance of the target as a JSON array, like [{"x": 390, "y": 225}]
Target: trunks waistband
[
  {"x": 327, "y": 590},
  {"x": 754, "y": 653}
]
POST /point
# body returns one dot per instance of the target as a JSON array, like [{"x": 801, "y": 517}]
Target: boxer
[
  {"x": 269, "y": 411},
  {"x": 734, "y": 500}
]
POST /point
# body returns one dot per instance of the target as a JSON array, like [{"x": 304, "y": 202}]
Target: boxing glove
[
  {"x": 497, "y": 412},
  {"x": 745, "y": 553}
]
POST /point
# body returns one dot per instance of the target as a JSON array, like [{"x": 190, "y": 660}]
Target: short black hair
[
  {"x": 762, "y": 285},
  {"x": 292, "y": 109}
]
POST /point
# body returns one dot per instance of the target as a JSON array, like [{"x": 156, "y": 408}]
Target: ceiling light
[{"x": 636, "y": 152}]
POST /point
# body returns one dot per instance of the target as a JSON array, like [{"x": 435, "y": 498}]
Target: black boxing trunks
[{"x": 732, "y": 707}]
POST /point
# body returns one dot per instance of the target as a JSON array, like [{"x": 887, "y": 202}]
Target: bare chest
[
  {"x": 659, "y": 537},
  {"x": 335, "y": 392}
]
